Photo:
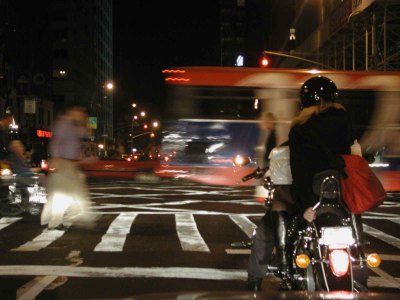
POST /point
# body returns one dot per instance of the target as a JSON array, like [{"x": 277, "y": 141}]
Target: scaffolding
[{"x": 369, "y": 40}]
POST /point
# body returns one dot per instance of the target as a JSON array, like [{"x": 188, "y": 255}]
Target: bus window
[{"x": 213, "y": 103}]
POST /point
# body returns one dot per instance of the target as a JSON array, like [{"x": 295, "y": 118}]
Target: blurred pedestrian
[
  {"x": 266, "y": 142},
  {"x": 68, "y": 195},
  {"x": 5, "y": 123},
  {"x": 17, "y": 158},
  {"x": 267, "y": 137}
]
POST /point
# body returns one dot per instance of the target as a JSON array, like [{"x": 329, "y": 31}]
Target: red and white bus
[{"x": 213, "y": 114}]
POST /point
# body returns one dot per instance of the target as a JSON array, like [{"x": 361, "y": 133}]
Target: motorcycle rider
[
  {"x": 322, "y": 122},
  {"x": 320, "y": 115}
]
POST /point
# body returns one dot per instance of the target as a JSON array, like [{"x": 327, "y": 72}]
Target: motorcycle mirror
[{"x": 240, "y": 160}]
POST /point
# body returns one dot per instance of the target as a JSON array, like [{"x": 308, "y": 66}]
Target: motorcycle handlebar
[{"x": 258, "y": 173}]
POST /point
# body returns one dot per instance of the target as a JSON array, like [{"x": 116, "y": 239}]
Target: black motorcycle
[{"x": 328, "y": 253}]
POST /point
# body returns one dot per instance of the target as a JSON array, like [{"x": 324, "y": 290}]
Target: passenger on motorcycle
[{"x": 272, "y": 230}]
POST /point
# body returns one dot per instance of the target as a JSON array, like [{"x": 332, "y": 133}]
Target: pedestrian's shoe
[
  {"x": 254, "y": 284},
  {"x": 59, "y": 227}
]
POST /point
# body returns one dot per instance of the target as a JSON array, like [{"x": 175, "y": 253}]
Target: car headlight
[{"x": 6, "y": 172}]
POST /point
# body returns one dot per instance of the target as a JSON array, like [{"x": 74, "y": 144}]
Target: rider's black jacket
[{"x": 331, "y": 127}]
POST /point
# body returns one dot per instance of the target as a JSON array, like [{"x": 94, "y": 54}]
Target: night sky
[{"x": 150, "y": 36}]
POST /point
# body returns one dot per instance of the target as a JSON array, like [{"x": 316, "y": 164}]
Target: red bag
[{"x": 361, "y": 190}]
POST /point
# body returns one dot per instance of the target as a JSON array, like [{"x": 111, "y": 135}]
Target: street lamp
[{"x": 110, "y": 86}]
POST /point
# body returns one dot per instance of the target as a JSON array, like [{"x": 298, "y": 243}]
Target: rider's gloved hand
[{"x": 310, "y": 214}]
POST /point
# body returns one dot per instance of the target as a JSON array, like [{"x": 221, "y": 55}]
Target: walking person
[
  {"x": 68, "y": 195},
  {"x": 5, "y": 123}
]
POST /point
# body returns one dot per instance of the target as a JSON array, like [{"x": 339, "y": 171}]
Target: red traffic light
[{"x": 264, "y": 61}]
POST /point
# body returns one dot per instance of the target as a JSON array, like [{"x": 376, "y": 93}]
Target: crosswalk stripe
[
  {"x": 114, "y": 239},
  {"x": 188, "y": 233},
  {"x": 397, "y": 220},
  {"x": 41, "y": 241},
  {"x": 382, "y": 236},
  {"x": 380, "y": 282},
  {"x": 125, "y": 272},
  {"x": 152, "y": 272},
  {"x": 244, "y": 223},
  {"x": 389, "y": 280},
  {"x": 190, "y": 238},
  {"x": 7, "y": 221}
]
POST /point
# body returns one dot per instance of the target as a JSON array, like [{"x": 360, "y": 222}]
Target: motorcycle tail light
[
  {"x": 302, "y": 261},
  {"x": 374, "y": 260},
  {"x": 339, "y": 261}
]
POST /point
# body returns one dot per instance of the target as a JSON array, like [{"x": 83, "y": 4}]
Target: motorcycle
[
  {"x": 328, "y": 253},
  {"x": 21, "y": 193}
]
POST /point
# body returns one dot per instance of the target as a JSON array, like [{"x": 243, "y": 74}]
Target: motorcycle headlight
[{"x": 336, "y": 236}]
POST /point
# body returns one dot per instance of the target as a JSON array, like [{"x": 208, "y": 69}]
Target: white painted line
[
  {"x": 376, "y": 281},
  {"x": 7, "y": 221},
  {"x": 244, "y": 223},
  {"x": 115, "y": 237},
  {"x": 172, "y": 272},
  {"x": 41, "y": 241},
  {"x": 188, "y": 234},
  {"x": 382, "y": 236},
  {"x": 383, "y": 214},
  {"x": 390, "y": 257},
  {"x": 128, "y": 272},
  {"x": 388, "y": 280},
  {"x": 35, "y": 287},
  {"x": 397, "y": 220},
  {"x": 161, "y": 211},
  {"x": 238, "y": 251}
]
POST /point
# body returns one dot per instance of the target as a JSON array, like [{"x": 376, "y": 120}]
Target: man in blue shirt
[{"x": 68, "y": 195}]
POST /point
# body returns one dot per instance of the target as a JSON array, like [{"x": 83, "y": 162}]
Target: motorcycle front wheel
[
  {"x": 35, "y": 208},
  {"x": 10, "y": 209}
]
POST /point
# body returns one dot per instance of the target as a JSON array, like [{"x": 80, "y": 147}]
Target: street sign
[{"x": 92, "y": 122}]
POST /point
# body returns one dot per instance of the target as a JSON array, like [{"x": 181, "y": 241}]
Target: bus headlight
[{"x": 240, "y": 160}]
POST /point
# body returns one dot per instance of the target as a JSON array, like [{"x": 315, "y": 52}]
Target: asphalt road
[{"x": 154, "y": 237}]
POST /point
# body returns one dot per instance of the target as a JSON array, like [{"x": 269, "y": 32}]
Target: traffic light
[{"x": 264, "y": 61}]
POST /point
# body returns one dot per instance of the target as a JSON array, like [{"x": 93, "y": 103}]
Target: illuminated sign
[{"x": 44, "y": 133}]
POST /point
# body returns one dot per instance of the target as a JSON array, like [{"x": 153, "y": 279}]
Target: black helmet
[{"x": 317, "y": 88}]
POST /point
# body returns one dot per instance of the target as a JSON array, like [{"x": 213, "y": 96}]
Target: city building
[
  {"x": 244, "y": 29},
  {"x": 55, "y": 53}
]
